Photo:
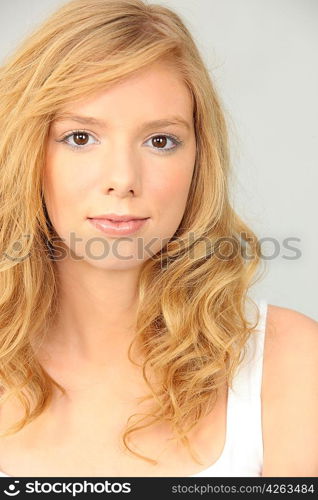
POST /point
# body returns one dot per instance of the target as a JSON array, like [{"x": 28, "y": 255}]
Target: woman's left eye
[
  {"x": 159, "y": 141},
  {"x": 162, "y": 140}
]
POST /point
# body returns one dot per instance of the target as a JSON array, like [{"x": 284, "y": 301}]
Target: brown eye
[
  {"x": 80, "y": 138},
  {"x": 159, "y": 141}
]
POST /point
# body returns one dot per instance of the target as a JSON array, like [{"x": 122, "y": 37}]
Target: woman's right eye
[{"x": 80, "y": 138}]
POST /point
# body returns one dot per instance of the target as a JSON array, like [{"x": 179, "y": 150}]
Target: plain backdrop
[{"x": 262, "y": 57}]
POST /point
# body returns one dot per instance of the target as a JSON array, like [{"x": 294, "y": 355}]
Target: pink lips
[
  {"x": 118, "y": 228},
  {"x": 117, "y": 217}
]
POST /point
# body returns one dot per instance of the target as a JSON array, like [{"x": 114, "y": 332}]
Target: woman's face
[{"x": 123, "y": 164}]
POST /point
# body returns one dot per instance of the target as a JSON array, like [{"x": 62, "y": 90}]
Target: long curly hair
[{"x": 191, "y": 326}]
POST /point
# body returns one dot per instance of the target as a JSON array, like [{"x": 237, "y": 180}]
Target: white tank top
[{"x": 242, "y": 453}]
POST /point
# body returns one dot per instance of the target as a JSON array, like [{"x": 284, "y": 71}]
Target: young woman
[{"x": 129, "y": 343}]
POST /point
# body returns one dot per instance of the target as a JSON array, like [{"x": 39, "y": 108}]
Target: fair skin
[
  {"x": 121, "y": 171},
  {"x": 290, "y": 394}
]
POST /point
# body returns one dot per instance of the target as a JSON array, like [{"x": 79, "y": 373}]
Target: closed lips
[{"x": 118, "y": 218}]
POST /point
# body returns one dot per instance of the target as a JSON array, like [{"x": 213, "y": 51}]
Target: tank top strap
[
  {"x": 248, "y": 379},
  {"x": 244, "y": 419},
  {"x": 243, "y": 450}
]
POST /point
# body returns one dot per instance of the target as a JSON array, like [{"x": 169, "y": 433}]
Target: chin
[{"x": 113, "y": 264}]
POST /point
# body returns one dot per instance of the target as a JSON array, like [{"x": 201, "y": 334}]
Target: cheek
[
  {"x": 62, "y": 191},
  {"x": 169, "y": 191},
  {"x": 168, "y": 196}
]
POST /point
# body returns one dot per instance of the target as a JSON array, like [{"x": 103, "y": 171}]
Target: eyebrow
[{"x": 90, "y": 120}]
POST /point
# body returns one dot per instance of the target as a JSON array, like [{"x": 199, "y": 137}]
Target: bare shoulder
[
  {"x": 290, "y": 394},
  {"x": 287, "y": 328}
]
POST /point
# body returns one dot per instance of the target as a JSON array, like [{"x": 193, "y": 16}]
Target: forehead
[{"x": 155, "y": 92}]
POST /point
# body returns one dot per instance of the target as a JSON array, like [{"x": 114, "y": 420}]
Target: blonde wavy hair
[{"x": 192, "y": 325}]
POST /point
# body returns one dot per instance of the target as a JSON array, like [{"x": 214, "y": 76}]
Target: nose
[{"x": 122, "y": 174}]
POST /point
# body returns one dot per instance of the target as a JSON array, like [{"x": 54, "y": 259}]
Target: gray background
[{"x": 262, "y": 56}]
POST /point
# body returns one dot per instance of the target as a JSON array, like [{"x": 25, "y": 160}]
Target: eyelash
[{"x": 173, "y": 138}]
